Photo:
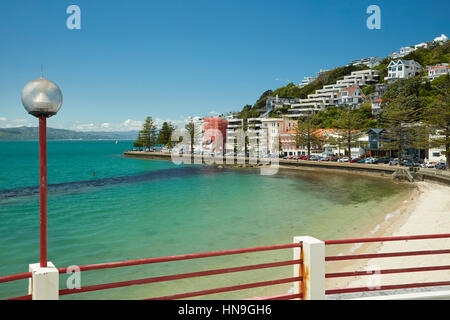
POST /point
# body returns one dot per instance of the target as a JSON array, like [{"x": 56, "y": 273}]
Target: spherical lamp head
[{"x": 41, "y": 98}]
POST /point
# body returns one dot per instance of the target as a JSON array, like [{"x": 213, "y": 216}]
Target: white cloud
[
  {"x": 77, "y": 125},
  {"x": 5, "y": 123},
  {"x": 214, "y": 113}
]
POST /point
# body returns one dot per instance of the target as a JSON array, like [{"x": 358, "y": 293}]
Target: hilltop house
[
  {"x": 401, "y": 69},
  {"x": 441, "y": 38},
  {"x": 437, "y": 71},
  {"x": 369, "y": 62},
  {"x": 306, "y": 81}
]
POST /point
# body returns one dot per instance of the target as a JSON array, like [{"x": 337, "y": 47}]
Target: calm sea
[{"x": 104, "y": 208}]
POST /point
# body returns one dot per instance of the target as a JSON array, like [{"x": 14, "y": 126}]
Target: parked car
[
  {"x": 429, "y": 165},
  {"x": 393, "y": 162},
  {"x": 410, "y": 163},
  {"x": 303, "y": 158},
  {"x": 441, "y": 166},
  {"x": 355, "y": 159},
  {"x": 381, "y": 160},
  {"x": 344, "y": 159}
]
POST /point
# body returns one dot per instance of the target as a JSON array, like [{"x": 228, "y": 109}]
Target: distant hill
[{"x": 32, "y": 133}]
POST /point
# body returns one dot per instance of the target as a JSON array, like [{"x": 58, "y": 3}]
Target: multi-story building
[
  {"x": 438, "y": 70},
  {"x": 401, "y": 69},
  {"x": 350, "y": 96},
  {"x": 211, "y": 139},
  {"x": 328, "y": 95},
  {"x": 255, "y": 135},
  {"x": 402, "y": 52},
  {"x": 376, "y": 141},
  {"x": 274, "y": 127},
  {"x": 369, "y": 62},
  {"x": 421, "y": 45},
  {"x": 441, "y": 38},
  {"x": 306, "y": 81},
  {"x": 376, "y": 106}
]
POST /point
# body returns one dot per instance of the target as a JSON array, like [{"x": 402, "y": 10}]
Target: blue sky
[{"x": 173, "y": 59}]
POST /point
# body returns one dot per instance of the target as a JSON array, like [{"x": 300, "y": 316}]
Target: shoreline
[{"x": 425, "y": 211}]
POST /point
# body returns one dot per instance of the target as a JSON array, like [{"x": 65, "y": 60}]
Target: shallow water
[{"x": 134, "y": 209}]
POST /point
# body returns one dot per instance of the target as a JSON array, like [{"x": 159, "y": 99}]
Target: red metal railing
[
  {"x": 386, "y": 271},
  {"x": 260, "y": 284},
  {"x": 193, "y": 274}
]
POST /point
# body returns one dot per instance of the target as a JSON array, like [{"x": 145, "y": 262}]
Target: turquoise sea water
[{"x": 134, "y": 209}]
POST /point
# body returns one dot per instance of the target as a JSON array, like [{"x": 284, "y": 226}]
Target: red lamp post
[{"x": 42, "y": 99}]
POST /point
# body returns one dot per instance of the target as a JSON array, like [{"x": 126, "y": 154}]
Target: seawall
[{"x": 376, "y": 169}]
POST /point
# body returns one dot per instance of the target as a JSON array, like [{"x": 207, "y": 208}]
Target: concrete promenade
[{"x": 423, "y": 174}]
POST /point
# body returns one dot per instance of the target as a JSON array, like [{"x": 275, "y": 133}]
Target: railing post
[
  {"x": 44, "y": 282},
  {"x": 312, "y": 253}
]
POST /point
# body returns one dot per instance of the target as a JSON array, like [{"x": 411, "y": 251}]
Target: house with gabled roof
[
  {"x": 401, "y": 69},
  {"x": 350, "y": 96}
]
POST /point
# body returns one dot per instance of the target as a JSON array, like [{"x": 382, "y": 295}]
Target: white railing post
[
  {"x": 313, "y": 270},
  {"x": 44, "y": 282}
]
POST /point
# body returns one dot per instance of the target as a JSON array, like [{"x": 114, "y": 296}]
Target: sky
[{"x": 173, "y": 59}]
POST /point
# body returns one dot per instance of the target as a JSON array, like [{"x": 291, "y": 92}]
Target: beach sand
[{"x": 426, "y": 212}]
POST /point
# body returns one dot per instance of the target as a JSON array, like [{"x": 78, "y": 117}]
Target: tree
[
  {"x": 350, "y": 122},
  {"x": 438, "y": 118},
  {"x": 195, "y": 133},
  {"x": 336, "y": 141},
  {"x": 138, "y": 143},
  {"x": 401, "y": 121},
  {"x": 305, "y": 134},
  {"x": 402, "y": 116},
  {"x": 165, "y": 133},
  {"x": 148, "y": 133}
]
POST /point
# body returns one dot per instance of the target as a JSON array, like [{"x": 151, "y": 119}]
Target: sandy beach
[{"x": 427, "y": 211}]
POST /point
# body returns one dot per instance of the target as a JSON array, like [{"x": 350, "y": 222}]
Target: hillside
[
  {"x": 32, "y": 133},
  {"x": 432, "y": 55}
]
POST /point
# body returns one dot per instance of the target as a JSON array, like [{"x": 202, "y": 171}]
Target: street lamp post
[{"x": 42, "y": 99}]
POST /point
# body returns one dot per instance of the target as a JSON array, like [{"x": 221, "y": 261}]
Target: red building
[{"x": 214, "y": 124}]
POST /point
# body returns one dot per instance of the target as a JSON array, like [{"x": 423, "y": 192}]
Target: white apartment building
[
  {"x": 402, "y": 52},
  {"x": 306, "y": 81},
  {"x": 441, "y": 38},
  {"x": 369, "y": 62},
  {"x": 401, "y": 69},
  {"x": 421, "y": 45},
  {"x": 328, "y": 95},
  {"x": 234, "y": 124},
  {"x": 438, "y": 70}
]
